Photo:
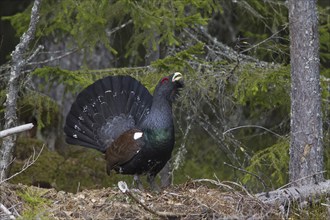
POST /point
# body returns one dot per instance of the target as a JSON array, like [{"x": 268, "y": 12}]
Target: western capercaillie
[{"x": 119, "y": 117}]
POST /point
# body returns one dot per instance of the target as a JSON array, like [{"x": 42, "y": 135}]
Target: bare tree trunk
[
  {"x": 18, "y": 63},
  {"x": 306, "y": 149}
]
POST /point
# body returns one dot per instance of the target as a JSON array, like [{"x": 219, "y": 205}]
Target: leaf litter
[{"x": 196, "y": 199}]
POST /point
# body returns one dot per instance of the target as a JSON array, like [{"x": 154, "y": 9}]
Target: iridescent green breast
[{"x": 159, "y": 137}]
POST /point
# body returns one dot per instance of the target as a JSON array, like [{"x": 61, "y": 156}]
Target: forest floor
[{"x": 193, "y": 200}]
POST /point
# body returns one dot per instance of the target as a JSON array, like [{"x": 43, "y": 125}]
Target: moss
[
  {"x": 79, "y": 169},
  {"x": 34, "y": 205},
  {"x": 315, "y": 209},
  {"x": 42, "y": 170}
]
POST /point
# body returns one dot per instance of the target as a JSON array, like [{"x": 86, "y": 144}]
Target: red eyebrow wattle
[{"x": 164, "y": 79}]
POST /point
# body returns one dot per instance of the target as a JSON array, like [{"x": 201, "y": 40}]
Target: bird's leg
[
  {"x": 151, "y": 181},
  {"x": 138, "y": 182}
]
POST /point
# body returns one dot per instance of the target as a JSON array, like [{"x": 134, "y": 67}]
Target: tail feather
[
  {"x": 79, "y": 138},
  {"x": 80, "y": 131},
  {"x": 106, "y": 109},
  {"x": 98, "y": 118},
  {"x": 85, "y": 129},
  {"x": 80, "y": 117}
]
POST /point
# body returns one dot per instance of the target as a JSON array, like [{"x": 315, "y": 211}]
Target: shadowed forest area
[{"x": 232, "y": 118}]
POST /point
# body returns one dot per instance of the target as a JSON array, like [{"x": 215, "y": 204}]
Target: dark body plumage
[{"x": 119, "y": 117}]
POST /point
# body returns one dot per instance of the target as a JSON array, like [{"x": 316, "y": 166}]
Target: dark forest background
[{"x": 232, "y": 119}]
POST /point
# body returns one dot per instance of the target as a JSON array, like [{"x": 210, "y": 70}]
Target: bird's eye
[{"x": 164, "y": 80}]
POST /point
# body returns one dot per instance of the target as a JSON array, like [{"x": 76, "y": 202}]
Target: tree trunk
[
  {"x": 306, "y": 149},
  {"x": 18, "y": 63}
]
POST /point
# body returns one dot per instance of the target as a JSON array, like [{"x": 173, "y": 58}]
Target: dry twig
[
  {"x": 6, "y": 211},
  {"x": 166, "y": 215},
  {"x": 30, "y": 161}
]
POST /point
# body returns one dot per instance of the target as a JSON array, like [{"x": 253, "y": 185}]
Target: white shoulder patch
[{"x": 137, "y": 135}]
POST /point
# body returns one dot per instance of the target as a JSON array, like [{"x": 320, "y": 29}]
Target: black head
[{"x": 169, "y": 86}]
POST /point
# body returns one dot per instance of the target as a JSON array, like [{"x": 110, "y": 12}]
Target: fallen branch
[
  {"x": 308, "y": 193},
  {"x": 16, "y": 130},
  {"x": 7, "y": 212},
  {"x": 215, "y": 182},
  {"x": 165, "y": 215}
]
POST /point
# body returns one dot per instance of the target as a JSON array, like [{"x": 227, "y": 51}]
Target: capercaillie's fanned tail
[{"x": 106, "y": 109}]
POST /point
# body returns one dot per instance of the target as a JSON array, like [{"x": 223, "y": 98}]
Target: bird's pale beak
[{"x": 176, "y": 77}]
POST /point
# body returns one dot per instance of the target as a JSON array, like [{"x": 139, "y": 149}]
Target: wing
[{"x": 124, "y": 148}]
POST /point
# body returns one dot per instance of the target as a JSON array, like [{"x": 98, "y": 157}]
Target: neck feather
[{"x": 158, "y": 125}]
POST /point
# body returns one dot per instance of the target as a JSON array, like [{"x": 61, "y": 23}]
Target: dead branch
[
  {"x": 112, "y": 31},
  {"x": 283, "y": 197},
  {"x": 265, "y": 40},
  {"x": 252, "y": 126},
  {"x": 214, "y": 182},
  {"x": 220, "y": 49},
  {"x": 248, "y": 172},
  {"x": 35, "y": 53},
  {"x": 164, "y": 215},
  {"x": 30, "y": 161},
  {"x": 54, "y": 58},
  {"x": 7, "y": 212},
  {"x": 16, "y": 130}
]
